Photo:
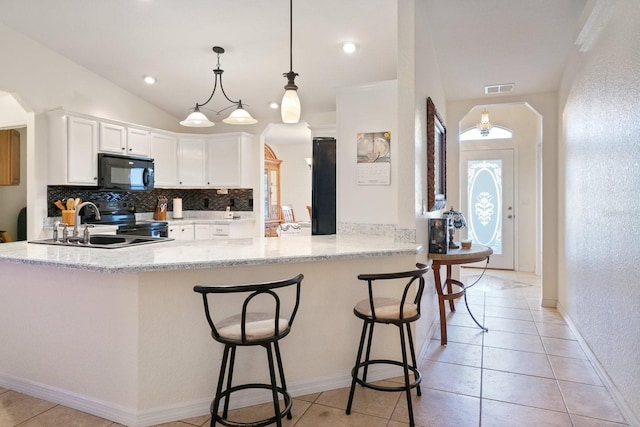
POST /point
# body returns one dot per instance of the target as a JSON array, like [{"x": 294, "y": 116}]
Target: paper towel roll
[{"x": 177, "y": 208}]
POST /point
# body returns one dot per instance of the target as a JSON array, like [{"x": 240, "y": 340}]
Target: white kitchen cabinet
[
  {"x": 127, "y": 141},
  {"x": 113, "y": 138},
  {"x": 164, "y": 150},
  {"x": 182, "y": 231},
  {"x": 202, "y": 231},
  {"x": 138, "y": 142},
  {"x": 191, "y": 161},
  {"x": 229, "y": 160},
  {"x": 73, "y": 149}
]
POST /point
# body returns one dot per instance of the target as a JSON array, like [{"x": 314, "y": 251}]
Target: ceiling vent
[{"x": 501, "y": 88}]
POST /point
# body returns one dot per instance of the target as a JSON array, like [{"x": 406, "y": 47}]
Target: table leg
[
  {"x": 450, "y": 288},
  {"x": 435, "y": 266}
]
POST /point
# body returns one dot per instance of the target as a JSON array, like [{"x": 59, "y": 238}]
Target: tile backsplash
[{"x": 239, "y": 199}]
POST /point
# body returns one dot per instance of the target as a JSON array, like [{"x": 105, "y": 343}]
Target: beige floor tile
[
  {"x": 522, "y": 389},
  {"x": 511, "y": 325},
  {"x": 555, "y": 330},
  {"x": 196, "y": 421},
  {"x": 495, "y": 301},
  {"x": 501, "y": 414},
  {"x": 453, "y": 352},
  {"x": 461, "y": 334},
  {"x": 462, "y": 318},
  {"x": 309, "y": 397},
  {"x": 509, "y": 313},
  {"x": 575, "y": 370},
  {"x": 265, "y": 410},
  {"x": 518, "y": 362},
  {"x": 62, "y": 416},
  {"x": 512, "y": 341},
  {"x": 548, "y": 316},
  {"x": 590, "y": 401},
  {"x": 564, "y": 348},
  {"x": 320, "y": 415},
  {"x": 440, "y": 409},
  {"x": 579, "y": 421},
  {"x": 17, "y": 407},
  {"x": 452, "y": 378},
  {"x": 365, "y": 400}
]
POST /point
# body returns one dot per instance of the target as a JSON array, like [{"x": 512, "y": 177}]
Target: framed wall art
[{"x": 436, "y": 157}]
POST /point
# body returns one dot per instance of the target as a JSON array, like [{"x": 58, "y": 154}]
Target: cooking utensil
[
  {"x": 70, "y": 202},
  {"x": 76, "y": 202},
  {"x": 59, "y": 205}
]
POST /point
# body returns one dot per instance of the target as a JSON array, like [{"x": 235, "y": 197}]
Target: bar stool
[
  {"x": 262, "y": 321},
  {"x": 400, "y": 312}
]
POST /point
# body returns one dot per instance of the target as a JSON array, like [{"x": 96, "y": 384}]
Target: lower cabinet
[{"x": 182, "y": 232}]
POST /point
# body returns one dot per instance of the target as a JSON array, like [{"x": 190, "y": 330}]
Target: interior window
[{"x": 496, "y": 132}]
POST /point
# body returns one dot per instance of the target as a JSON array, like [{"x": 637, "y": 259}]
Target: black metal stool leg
[
  {"x": 354, "y": 372},
  {"x": 413, "y": 354},
  {"x": 282, "y": 380},
  {"x": 216, "y": 400},
  {"x": 274, "y": 385},
  {"x": 368, "y": 354},
  {"x": 407, "y": 384},
  {"x": 232, "y": 362}
]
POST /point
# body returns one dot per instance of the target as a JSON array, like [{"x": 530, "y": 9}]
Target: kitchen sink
[{"x": 105, "y": 241}]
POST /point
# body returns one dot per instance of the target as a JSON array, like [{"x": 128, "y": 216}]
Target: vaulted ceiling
[{"x": 525, "y": 42}]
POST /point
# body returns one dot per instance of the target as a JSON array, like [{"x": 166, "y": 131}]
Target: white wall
[{"x": 599, "y": 207}]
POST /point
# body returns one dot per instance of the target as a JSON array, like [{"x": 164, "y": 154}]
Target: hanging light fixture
[
  {"x": 290, "y": 105},
  {"x": 484, "y": 126},
  {"x": 239, "y": 116}
]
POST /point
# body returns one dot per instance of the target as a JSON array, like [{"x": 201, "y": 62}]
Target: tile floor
[{"x": 528, "y": 370}]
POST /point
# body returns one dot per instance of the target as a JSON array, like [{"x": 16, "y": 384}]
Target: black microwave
[{"x": 124, "y": 172}]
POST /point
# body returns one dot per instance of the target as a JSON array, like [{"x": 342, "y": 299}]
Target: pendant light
[
  {"x": 484, "y": 125},
  {"x": 290, "y": 105},
  {"x": 239, "y": 116}
]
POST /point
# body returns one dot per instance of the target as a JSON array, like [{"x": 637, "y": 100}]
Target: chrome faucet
[{"x": 76, "y": 220}]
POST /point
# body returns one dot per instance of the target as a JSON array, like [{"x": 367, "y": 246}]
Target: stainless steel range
[{"x": 122, "y": 214}]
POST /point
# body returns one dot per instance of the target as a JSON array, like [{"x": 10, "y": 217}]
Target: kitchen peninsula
[{"x": 121, "y": 334}]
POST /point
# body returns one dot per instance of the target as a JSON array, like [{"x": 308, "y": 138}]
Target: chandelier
[
  {"x": 239, "y": 116},
  {"x": 484, "y": 126},
  {"x": 290, "y": 105}
]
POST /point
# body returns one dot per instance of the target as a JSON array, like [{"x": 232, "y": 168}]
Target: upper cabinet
[
  {"x": 125, "y": 140},
  {"x": 192, "y": 161},
  {"x": 73, "y": 149},
  {"x": 9, "y": 157},
  {"x": 164, "y": 149},
  {"x": 228, "y": 160}
]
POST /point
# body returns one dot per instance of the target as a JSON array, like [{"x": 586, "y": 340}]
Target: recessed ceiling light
[
  {"x": 149, "y": 80},
  {"x": 349, "y": 47},
  {"x": 274, "y": 105}
]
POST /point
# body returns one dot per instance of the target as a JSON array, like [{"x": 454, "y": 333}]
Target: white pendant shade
[
  {"x": 290, "y": 107},
  {"x": 197, "y": 120},
  {"x": 240, "y": 116}
]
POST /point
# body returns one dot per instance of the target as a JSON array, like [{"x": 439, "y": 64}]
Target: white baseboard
[{"x": 617, "y": 397}]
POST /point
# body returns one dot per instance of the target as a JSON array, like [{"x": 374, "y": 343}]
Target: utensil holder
[{"x": 68, "y": 217}]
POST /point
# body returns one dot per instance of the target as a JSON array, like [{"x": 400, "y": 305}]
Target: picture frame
[
  {"x": 438, "y": 243},
  {"x": 436, "y": 156}
]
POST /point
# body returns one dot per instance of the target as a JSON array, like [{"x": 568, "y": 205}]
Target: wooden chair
[{"x": 287, "y": 214}]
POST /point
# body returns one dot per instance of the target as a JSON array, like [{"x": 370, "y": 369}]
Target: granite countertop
[{"x": 182, "y": 255}]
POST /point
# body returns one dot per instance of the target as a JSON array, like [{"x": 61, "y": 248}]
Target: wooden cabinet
[
  {"x": 73, "y": 149},
  {"x": 226, "y": 158},
  {"x": 192, "y": 162},
  {"x": 272, "y": 192},
  {"x": 9, "y": 157},
  {"x": 119, "y": 139},
  {"x": 164, "y": 149}
]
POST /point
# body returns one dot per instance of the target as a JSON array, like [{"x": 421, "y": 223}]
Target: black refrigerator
[{"x": 323, "y": 183}]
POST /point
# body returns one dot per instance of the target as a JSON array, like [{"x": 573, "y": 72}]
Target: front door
[{"x": 486, "y": 188}]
